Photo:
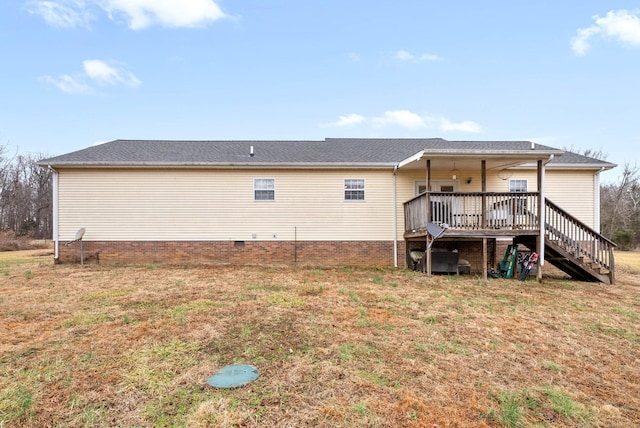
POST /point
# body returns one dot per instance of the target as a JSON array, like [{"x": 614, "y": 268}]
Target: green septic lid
[{"x": 234, "y": 376}]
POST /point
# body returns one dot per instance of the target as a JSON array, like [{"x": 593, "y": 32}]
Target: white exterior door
[{"x": 444, "y": 209}]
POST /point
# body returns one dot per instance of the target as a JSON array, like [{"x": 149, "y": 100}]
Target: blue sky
[{"x": 561, "y": 73}]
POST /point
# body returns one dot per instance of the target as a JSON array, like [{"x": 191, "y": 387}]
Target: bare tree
[
  {"x": 5, "y": 165},
  {"x": 620, "y": 208},
  {"x": 25, "y": 196},
  {"x": 592, "y": 153}
]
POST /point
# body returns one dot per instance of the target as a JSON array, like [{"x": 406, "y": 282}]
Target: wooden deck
[{"x": 571, "y": 245}]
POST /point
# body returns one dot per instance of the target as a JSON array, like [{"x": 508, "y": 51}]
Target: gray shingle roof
[
  {"x": 571, "y": 158},
  {"x": 331, "y": 151},
  {"x": 135, "y": 152}
]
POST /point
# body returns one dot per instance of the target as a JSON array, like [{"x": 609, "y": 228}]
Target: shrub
[{"x": 625, "y": 239}]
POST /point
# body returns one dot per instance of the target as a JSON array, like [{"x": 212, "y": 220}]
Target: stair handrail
[
  {"x": 602, "y": 250},
  {"x": 600, "y": 237}
]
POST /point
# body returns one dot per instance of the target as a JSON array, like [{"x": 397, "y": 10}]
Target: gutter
[
  {"x": 222, "y": 165},
  {"x": 596, "y": 199},
  {"x": 583, "y": 166}
]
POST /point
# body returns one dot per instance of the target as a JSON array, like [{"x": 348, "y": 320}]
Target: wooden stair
[{"x": 574, "y": 247}]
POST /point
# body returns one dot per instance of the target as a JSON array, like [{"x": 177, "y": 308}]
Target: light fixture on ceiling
[
  {"x": 504, "y": 174},
  {"x": 454, "y": 171}
]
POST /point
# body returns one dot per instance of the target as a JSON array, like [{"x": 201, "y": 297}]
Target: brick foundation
[{"x": 305, "y": 253}]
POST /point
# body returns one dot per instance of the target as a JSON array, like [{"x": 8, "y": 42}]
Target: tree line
[
  {"x": 620, "y": 209},
  {"x": 26, "y": 208}
]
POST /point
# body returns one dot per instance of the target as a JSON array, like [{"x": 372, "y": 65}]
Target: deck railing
[
  {"x": 480, "y": 210},
  {"x": 468, "y": 211},
  {"x": 577, "y": 238}
]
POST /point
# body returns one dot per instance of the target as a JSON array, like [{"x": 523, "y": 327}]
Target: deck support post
[
  {"x": 485, "y": 259},
  {"x": 539, "y": 267},
  {"x": 540, "y": 244}
]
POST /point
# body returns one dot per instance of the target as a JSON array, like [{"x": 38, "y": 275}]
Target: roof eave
[
  {"x": 248, "y": 165},
  {"x": 533, "y": 154},
  {"x": 583, "y": 166}
]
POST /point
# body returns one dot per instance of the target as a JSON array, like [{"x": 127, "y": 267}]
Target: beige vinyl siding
[
  {"x": 573, "y": 191},
  {"x": 182, "y": 204}
]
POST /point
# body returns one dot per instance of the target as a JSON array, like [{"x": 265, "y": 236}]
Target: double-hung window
[
  {"x": 354, "y": 189},
  {"x": 264, "y": 189},
  {"x": 519, "y": 186}
]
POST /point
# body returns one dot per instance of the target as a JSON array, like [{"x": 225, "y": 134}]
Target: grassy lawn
[
  {"x": 628, "y": 259},
  {"x": 85, "y": 346}
]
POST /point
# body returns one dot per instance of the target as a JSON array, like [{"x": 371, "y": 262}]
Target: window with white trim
[
  {"x": 264, "y": 189},
  {"x": 354, "y": 189},
  {"x": 517, "y": 185}
]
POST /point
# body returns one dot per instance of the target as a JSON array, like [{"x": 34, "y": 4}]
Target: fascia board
[
  {"x": 534, "y": 154},
  {"x": 576, "y": 166},
  {"x": 411, "y": 159},
  {"x": 253, "y": 165}
]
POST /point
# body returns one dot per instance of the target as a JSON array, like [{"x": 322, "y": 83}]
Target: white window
[
  {"x": 518, "y": 185},
  {"x": 264, "y": 189},
  {"x": 354, "y": 189}
]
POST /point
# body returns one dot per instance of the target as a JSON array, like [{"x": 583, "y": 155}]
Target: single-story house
[{"x": 334, "y": 202}]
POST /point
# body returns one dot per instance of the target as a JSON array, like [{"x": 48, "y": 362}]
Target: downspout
[
  {"x": 543, "y": 220},
  {"x": 596, "y": 220},
  {"x": 55, "y": 237},
  {"x": 596, "y": 200},
  {"x": 395, "y": 219}
]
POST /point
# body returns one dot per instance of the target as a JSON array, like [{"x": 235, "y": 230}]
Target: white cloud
[
  {"x": 102, "y": 72},
  {"x": 402, "y": 118},
  {"x": 621, "y": 25},
  {"x": 137, "y": 13},
  {"x": 408, "y": 120},
  {"x": 465, "y": 126},
  {"x": 348, "y": 120},
  {"x": 171, "y": 13},
  {"x": 405, "y": 56},
  {"x": 62, "y": 13},
  {"x": 69, "y": 84},
  {"x": 580, "y": 43},
  {"x": 95, "y": 72}
]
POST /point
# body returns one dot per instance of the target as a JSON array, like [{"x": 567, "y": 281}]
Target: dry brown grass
[
  {"x": 10, "y": 242},
  {"x": 133, "y": 346}
]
